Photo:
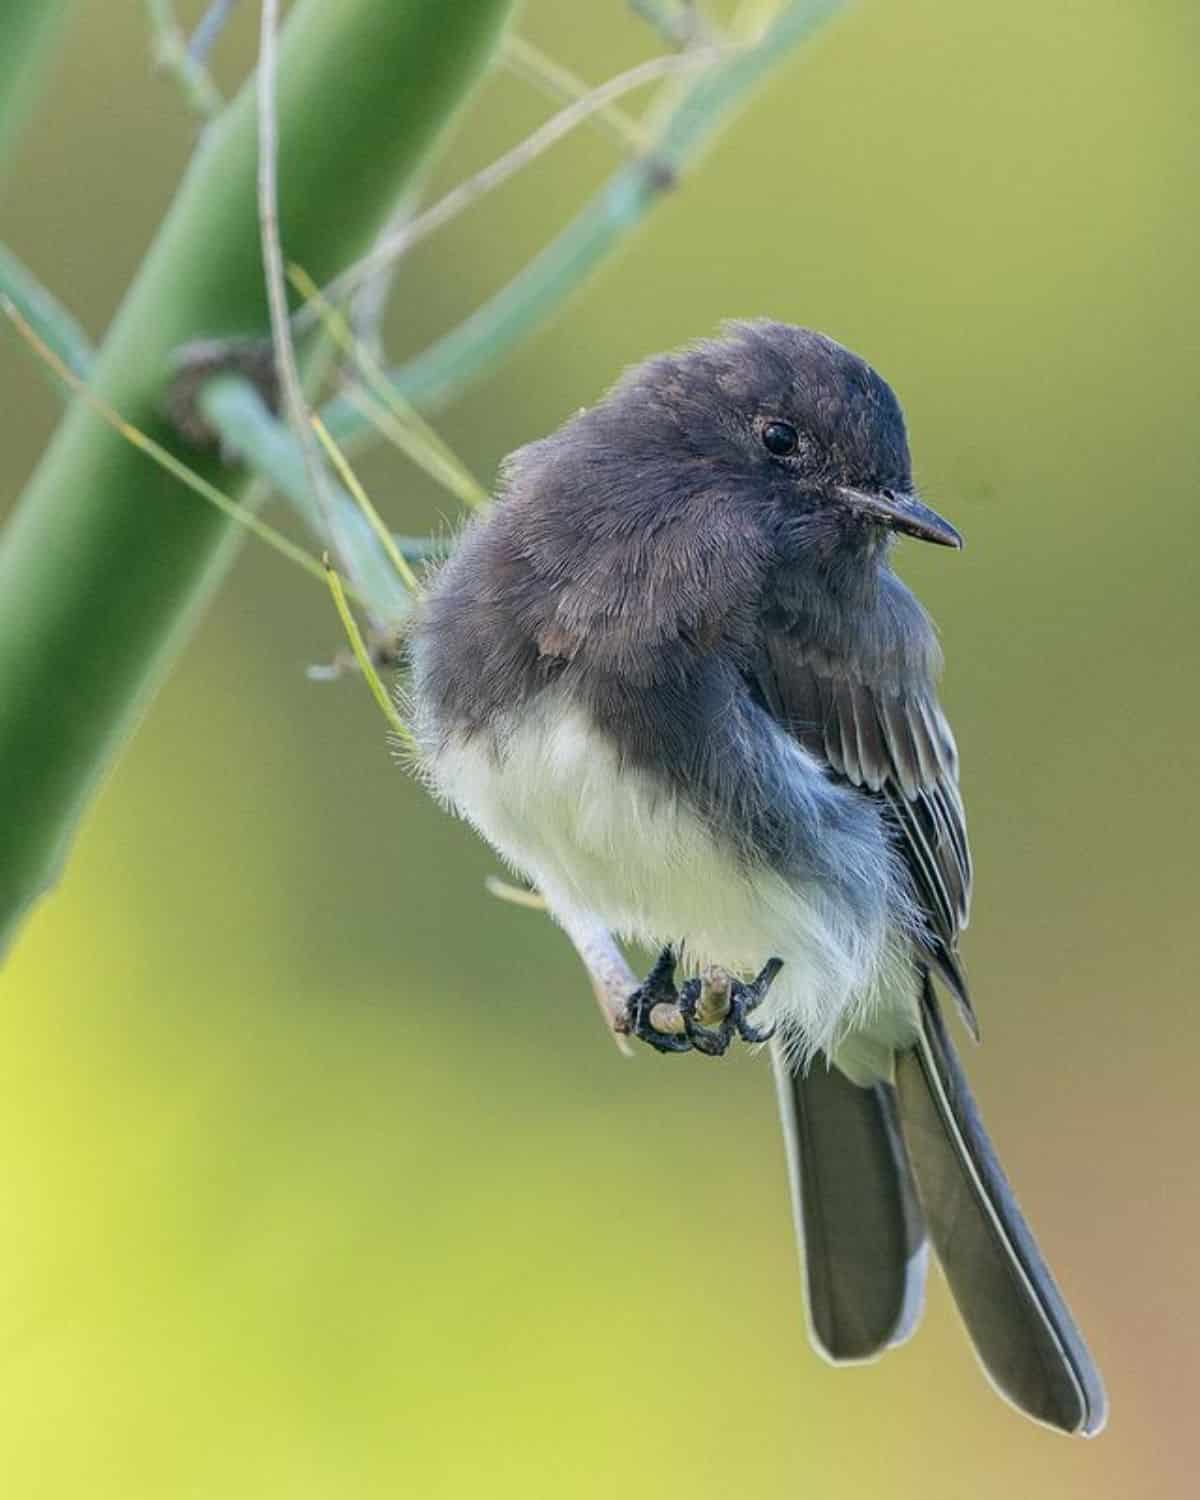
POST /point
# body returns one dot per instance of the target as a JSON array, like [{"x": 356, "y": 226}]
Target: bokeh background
[{"x": 320, "y": 1177}]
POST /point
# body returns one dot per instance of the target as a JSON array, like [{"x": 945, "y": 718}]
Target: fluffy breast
[{"x": 552, "y": 797}]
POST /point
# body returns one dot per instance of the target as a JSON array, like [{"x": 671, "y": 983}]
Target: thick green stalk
[
  {"x": 28, "y": 29},
  {"x": 107, "y": 561}
]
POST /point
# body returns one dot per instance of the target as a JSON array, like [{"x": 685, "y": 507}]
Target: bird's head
[{"x": 778, "y": 418}]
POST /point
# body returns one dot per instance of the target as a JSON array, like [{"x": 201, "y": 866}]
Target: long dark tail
[
  {"x": 857, "y": 1215},
  {"x": 1022, "y": 1329},
  {"x": 870, "y": 1167}
]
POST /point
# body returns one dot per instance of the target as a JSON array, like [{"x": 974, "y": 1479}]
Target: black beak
[{"x": 903, "y": 513}]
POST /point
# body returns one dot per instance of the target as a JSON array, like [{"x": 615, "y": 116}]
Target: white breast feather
[{"x": 613, "y": 842}]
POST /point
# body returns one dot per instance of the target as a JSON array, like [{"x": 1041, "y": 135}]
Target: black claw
[
  {"x": 659, "y": 1040},
  {"x": 746, "y": 1000},
  {"x": 753, "y": 1034},
  {"x": 712, "y": 1041},
  {"x": 658, "y": 988},
  {"x": 763, "y": 981},
  {"x": 660, "y": 982}
]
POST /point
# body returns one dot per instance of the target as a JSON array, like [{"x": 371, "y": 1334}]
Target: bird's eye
[{"x": 780, "y": 438}]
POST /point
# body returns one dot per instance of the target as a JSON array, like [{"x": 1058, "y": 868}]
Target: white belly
[{"x": 615, "y": 843}]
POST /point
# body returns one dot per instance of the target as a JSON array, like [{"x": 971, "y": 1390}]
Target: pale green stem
[
  {"x": 173, "y": 55},
  {"x": 46, "y": 316}
]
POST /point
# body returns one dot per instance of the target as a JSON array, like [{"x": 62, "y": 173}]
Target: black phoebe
[{"x": 673, "y": 679}]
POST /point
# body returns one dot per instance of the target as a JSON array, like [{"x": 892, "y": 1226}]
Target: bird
[{"x": 671, "y": 676}]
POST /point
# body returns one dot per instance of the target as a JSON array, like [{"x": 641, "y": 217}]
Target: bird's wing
[{"x": 894, "y": 744}]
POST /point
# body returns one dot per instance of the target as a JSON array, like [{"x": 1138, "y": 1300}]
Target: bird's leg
[
  {"x": 704, "y": 1015},
  {"x": 613, "y": 981}
]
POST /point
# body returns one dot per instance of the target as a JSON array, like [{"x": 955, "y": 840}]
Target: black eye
[{"x": 780, "y": 438}]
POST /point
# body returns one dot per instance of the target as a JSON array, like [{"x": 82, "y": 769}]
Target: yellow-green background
[{"x": 318, "y": 1177}]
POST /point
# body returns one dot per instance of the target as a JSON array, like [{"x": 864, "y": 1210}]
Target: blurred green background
[{"x": 321, "y": 1178}]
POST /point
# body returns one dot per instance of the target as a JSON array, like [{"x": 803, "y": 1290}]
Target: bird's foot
[
  {"x": 748, "y": 997},
  {"x": 704, "y": 1015},
  {"x": 652, "y": 1012}
]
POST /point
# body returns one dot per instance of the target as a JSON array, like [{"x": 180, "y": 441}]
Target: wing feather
[{"x": 896, "y": 746}]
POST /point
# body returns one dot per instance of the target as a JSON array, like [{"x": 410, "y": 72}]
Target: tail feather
[
  {"x": 856, "y": 1208},
  {"x": 1022, "y": 1329}
]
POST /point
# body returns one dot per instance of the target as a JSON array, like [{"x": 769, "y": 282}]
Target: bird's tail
[
  {"x": 857, "y": 1216},
  {"x": 1022, "y": 1329},
  {"x": 862, "y": 1229}
]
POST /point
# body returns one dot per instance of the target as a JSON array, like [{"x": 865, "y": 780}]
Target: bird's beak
[{"x": 903, "y": 513}]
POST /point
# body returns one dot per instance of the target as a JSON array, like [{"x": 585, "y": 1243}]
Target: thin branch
[
  {"x": 343, "y": 539},
  {"x": 368, "y": 307},
  {"x": 676, "y": 21},
  {"x": 268, "y": 227},
  {"x": 438, "y": 373},
  {"x": 533, "y": 65},
  {"x": 393, "y": 416},
  {"x": 541, "y": 287},
  {"x": 393, "y": 246},
  {"x": 752, "y": 18},
  {"x": 173, "y": 55},
  {"x": 445, "y": 470},
  {"x": 233, "y": 407},
  {"x": 352, "y": 482},
  {"x": 295, "y": 403},
  {"x": 363, "y": 657},
  {"x": 52, "y": 322},
  {"x": 212, "y": 24}
]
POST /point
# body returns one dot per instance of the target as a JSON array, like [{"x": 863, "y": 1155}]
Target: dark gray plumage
[
  {"x": 672, "y": 677},
  {"x": 858, "y": 1215},
  {"x": 1022, "y": 1328}
]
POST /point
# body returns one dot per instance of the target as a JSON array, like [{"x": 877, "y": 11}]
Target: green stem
[
  {"x": 46, "y": 315},
  {"x": 675, "y": 22},
  {"x": 532, "y": 64},
  {"x": 107, "y": 563},
  {"x": 534, "y": 294},
  {"x": 171, "y": 52},
  {"x": 28, "y": 31},
  {"x": 233, "y": 406},
  {"x": 540, "y": 289}
]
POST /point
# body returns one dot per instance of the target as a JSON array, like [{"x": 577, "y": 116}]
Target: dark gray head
[
  {"x": 744, "y": 483},
  {"x": 779, "y": 419}
]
